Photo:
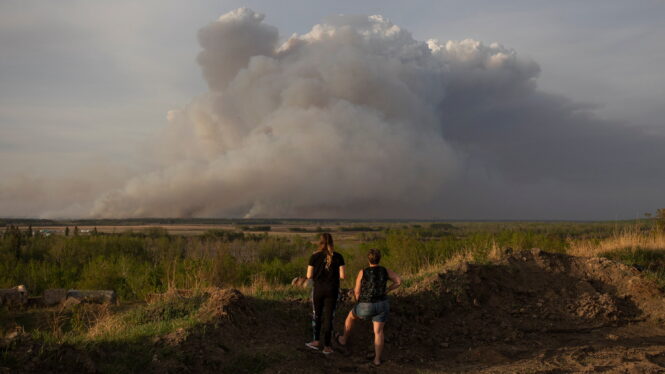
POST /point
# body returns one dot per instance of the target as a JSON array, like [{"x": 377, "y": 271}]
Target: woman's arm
[
  {"x": 310, "y": 271},
  {"x": 342, "y": 272},
  {"x": 356, "y": 290},
  {"x": 397, "y": 281}
]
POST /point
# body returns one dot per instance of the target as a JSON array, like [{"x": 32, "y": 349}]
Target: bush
[
  {"x": 441, "y": 226},
  {"x": 255, "y": 228},
  {"x": 660, "y": 219},
  {"x": 224, "y": 235},
  {"x": 360, "y": 228}
]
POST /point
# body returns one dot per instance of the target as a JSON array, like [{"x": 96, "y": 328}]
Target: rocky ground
[{"x": 528, "y": 312}]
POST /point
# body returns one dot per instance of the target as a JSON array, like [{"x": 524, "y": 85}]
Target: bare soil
[{"x": 529, "y": 312}]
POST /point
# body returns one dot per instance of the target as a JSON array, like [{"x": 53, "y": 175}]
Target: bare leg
[
  {"x": 348, "y": 325},
  {"x": 378, "y": 341}
]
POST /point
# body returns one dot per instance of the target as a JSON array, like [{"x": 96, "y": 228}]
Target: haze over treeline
[{"x": 357, "y": 118}]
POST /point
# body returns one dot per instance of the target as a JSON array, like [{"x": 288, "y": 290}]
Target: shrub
[
  {"x": 441, "y": 226},
  {"x": 360, "y": 228},
  {"x": 255, "y": 228}
]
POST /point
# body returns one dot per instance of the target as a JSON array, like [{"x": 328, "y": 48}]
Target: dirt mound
[
  {"x": 222, "y": 303},
  {"x": 33, "y": 358},
  {"x": 226, "y": 316},
  {"x": 526, "y": 292}
]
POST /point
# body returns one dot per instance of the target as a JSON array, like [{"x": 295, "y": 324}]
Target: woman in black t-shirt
[{"x": 326, "y": 268}]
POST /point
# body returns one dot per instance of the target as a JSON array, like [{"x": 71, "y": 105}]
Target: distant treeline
[
  {"x": 180, "y": 221},
  {"x": 361, "y": 228},
  {"x": 350, "y": 224},
  {"x": 255, "y": 228},
  {"x": 317, "y": 229},
  {"x": 137, "y": 221}
]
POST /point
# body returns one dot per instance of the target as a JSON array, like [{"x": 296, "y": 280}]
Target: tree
[
  {"x": 14, "y": 238},
  {"x": 660, "y": 219}
]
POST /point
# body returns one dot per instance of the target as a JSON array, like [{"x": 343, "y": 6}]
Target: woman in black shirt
[
  {"x": 326, "y": 268},
  {"x": 371, "y": 294}
]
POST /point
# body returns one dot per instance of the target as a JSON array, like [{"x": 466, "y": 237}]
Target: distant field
[
  {"x": 345, "y": 232},
  {"x": 295, "y": 226}
]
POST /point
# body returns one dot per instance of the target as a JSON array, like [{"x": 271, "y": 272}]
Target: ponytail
[{"x": 326, "y": 244}]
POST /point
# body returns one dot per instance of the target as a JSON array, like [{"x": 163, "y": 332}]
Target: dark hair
[
  {"x": 374, "y": 256},
  {"x": 326, "y": 245}
]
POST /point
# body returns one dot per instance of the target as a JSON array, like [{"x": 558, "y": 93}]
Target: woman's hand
[
  {"x": 397, "y": 281},
  {"x": 356, "y": 290}
]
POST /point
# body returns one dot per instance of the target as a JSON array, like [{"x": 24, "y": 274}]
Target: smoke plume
[
  {"x": 356, "y": 118},
  {"x": 340, "y": 121}
]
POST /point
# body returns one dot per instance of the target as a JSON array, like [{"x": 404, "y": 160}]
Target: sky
[{"x": 103, "y": 105}]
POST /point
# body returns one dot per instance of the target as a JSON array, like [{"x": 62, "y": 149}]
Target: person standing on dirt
[
  {"x": 371, "y": 294},
  {"x": 326, "y": 268}
]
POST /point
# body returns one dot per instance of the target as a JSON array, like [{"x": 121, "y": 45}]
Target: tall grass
[
  {"x": 137, "y": 264},
  {"x": 632, "y": 239},
  {"x": 633, "y": 246}
]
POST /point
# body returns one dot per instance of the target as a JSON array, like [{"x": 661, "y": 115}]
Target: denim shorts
[{"x": 378, "y": 311}]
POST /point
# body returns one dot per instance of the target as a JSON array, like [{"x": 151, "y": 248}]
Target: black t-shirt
[{"x": 326, "y": 278}]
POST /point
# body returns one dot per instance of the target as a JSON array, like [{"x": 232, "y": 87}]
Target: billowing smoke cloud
[
  {"x": 358, "y": 119},
  {"x": 340, "y": 121}
]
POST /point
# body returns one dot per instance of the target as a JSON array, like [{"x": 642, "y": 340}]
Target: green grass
[
  {"x": 411, "y": 280},
  {"x": 123, "y": 337},
  {"x": 276, "y": 293},
  {"x": 652, "y": 262}
]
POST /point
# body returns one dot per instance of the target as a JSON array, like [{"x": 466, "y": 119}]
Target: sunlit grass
[{"x": 629, "y": 239}]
